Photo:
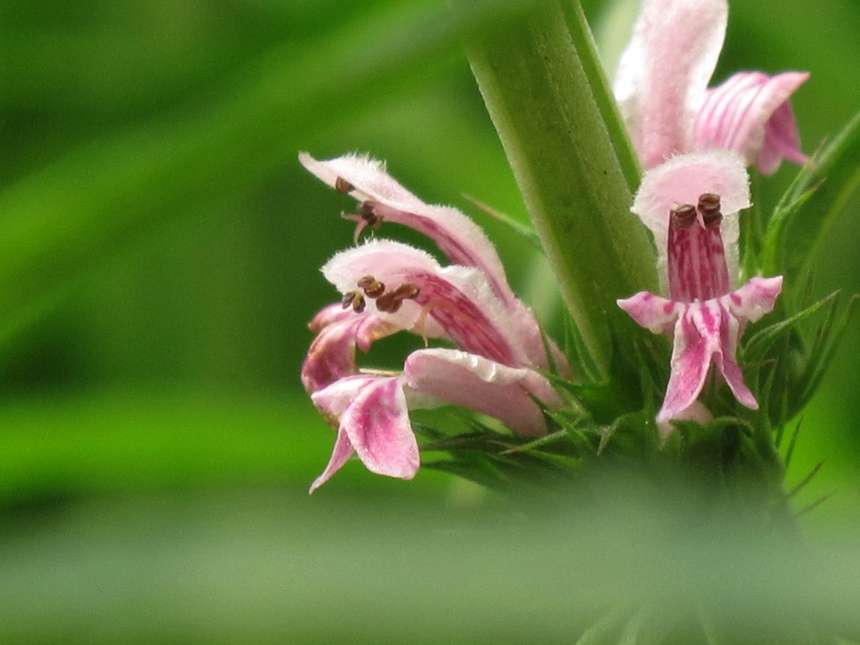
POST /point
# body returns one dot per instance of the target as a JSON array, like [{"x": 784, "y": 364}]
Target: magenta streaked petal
[
  {"x": 373, "y": 416},
  {"x": 454, "y": 302},
  {"x": 704, "y": 333},
  {"x": 697, "y": 339},
  {"x": 483, "y": 385},
  {"x": 681, "y": 180},
  {"x": 377, "y": 423},
  {"x": 461, "y": 240},
  {"x": 331, "y": 356},
  {"x": 652, "y": 312},
  {"x": 750, "y": 114},
  {"x": 341, "y": 453},
  {"x": 664, "y": 71},
  {"x": 457, "y": 236},
  {"x": 754, "y": 299}
]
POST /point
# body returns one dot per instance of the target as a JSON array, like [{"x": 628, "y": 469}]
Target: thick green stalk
[{"x": 540, "y": 80}]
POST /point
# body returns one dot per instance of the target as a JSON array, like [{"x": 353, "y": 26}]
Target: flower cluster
[
  {"x": 695, "y": 144},
  {"x": 387, "y": 287}
]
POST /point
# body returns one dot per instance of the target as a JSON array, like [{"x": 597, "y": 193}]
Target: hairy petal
[
  {"x": 461, "y": 240},
  {"x": 453, "y": 302},
  {"x": 750, "y": 114},
  {"x": 366, "y": 179},
  {"x": 457, "y": 236},
  {"x": 681, "y": 180},
  {"x": 664, "y": 71},
  {"x": 499, "y": 391},
  {"x": 374, "y": 418}
]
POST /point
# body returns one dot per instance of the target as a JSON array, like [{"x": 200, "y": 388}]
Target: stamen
[
  {"x": 369, "y": 215},
  {"x": 341, "y": 185},
  {"x": 709, "y": 208},
  {"x": 372, "y": 287},
  {"x": 353, "y": 299},
  {"x": 682, "y": 217},
  {"x": 390, "y": 301}
]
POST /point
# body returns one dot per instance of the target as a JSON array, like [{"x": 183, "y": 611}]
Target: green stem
[{"x": 550, "y": 103}]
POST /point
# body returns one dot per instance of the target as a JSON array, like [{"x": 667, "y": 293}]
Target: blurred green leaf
[{"x": 89, "y": 206}]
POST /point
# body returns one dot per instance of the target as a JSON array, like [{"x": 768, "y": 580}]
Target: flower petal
[
  {"x": 461, "y": 240},
  {"x": 483, "y": 385},
  {"x": 341, "y": 453},
  {"x": 663, "y": 73},
  {"x": 331, "y": 356},
  {"x": 750, "y": 114},
  {"x": 754, "y": 299},
  {"x": 453, "y": 302},
  {"x": 681, "y": 180},
  {"x": 457, "y": 236},
  {"x": 373, "y": 416},
  {"x": 652, "y": 312},
  {"x": 697, "y": 339}
]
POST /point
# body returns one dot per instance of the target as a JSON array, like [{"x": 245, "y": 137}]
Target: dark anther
[
  {"x": 407, "y": 291},
  {"x": 353, "y": 299},
  {"x": 709, "y": 207},
  {"x": 341, "y": 185},
  {"x": 682, "y": 217},
  {"x": 372, "y": 287},
  {"x": 390, "y": 301},
  {"x": 368, "y": 214}
]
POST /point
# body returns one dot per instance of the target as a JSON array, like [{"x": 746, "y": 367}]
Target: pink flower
[
  {"x": 691, "y": 203},
  {"x": 661, "y": 86},
  {"x": 387, "y": 287}
]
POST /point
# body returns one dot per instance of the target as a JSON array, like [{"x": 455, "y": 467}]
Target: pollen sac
[
  {"x": 341, "y": 185},
  {"x": 407, "y": 291},
  {"x": 709, "y": 208},
  {"x": 390, "y": 301},
  {"x": 682, "y": 217},
  {"x": 353, "y": 299},
  {"x": 367, "y": 212},
  {"x": 372, "y": 287}
]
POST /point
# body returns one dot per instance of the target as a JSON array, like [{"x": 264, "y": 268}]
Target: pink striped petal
[
  {"x": 750, "y": 114},
  {"x": 663, "y": 73},
  {"x": 374, "y": 419},
  {"x": 332, "y": 354},
  {"x": 483, "y": 385},
  {"x": 754, "y": 299},
  {"x": 341, "y": 453},
  {"x": 458, "y": 237},
  {"x": 681, "y": 180},
  {"x": 652, "y": 312},
  {"x": 453, "y": 302},
  {"x": 704, "y": 333},
  {"x": 461, "y": 240}
]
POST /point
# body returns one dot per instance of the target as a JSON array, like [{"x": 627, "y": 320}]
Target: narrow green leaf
[{"x": 812, "y": 205}]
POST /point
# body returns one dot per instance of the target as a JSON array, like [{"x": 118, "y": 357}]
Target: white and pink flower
[
  {"x": 387, "y": 287},
  {"x": 662, "y": 89},
  {"x": 691, "y": 204}
]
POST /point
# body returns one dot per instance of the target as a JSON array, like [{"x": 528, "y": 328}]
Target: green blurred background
[{"x": 159, "y": 255}]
